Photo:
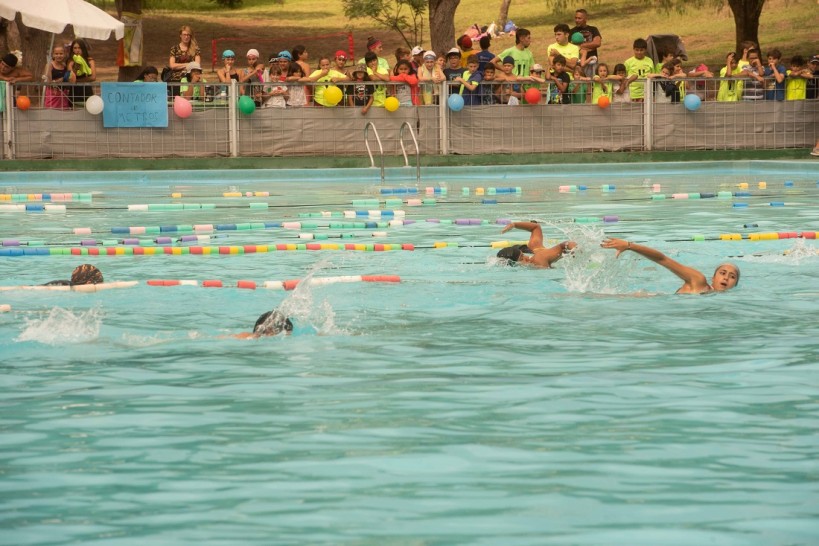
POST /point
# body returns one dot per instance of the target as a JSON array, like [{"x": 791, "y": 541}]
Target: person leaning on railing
[{"x": 730, "y": 89}]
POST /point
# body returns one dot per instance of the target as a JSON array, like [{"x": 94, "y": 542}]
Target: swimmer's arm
[
  {"x": 694, "y": 280},
  {"x": 547, "y": 256},
  {"x": 536, "y": 234}
]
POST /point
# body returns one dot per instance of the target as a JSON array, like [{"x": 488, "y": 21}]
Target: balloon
[
  {"x": 603, "y": 101},
  {"x": 692, "y": 102},
  {"x": 23, "y": 102},
  {"x": 577, "y": 38},
  {"x": 182, "y": 107},
  {"x": 391, "y": 104},
  {"x": 333, "y": 95},
  {"x": 532, "y": 95},
  {"x": 94, "y": 105},
  {"x": 246, "y": 105},
  {"x": 455, "y": 102}
]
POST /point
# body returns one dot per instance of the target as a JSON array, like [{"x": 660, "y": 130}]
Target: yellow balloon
[
  {"x": 333, "y": 95},
  {"x": 391, "y": 104}
]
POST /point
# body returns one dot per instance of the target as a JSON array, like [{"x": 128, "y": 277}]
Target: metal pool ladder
[{"x": 404, "y": 126}]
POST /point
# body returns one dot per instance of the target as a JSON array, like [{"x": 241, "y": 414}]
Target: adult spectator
[
  {"x": 591, "y": 39},
  {"x": 186, "y": 51},
  {"x": 520, "y": 53},
  {"x": 10, "y": 72},
  {"x": 374, "y": 45},
  {"x": 812, "y": 91}
]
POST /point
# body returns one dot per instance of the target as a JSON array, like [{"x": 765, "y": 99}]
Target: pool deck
[{"x": 357, "y": 162}]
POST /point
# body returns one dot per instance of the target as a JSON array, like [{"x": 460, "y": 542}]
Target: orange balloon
[
  {"x": 23, "y": 102},
  {"x": 603, "y": 101}
]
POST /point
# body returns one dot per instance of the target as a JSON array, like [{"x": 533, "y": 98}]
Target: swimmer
[
  {"x": 269, "y": 324},
  {"x": 541, "y": 256},
  {"x": 82, "y": 274},
  {"x": 726, "y": 276}
]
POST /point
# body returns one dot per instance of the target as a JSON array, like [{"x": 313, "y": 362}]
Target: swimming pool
[{"x": 466, "y": 404}]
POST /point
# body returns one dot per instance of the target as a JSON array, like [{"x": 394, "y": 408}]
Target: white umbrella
[{"x": 54, "y": 15}]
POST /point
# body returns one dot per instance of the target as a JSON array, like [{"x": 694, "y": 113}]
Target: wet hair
[
  {"x": 86, "y": 274},
  {"x": 272, "y": 323},
  {"x": 521, "y": 33},
  {"x": 640, "y": 43},
  {"x": 511, "y": 254}
]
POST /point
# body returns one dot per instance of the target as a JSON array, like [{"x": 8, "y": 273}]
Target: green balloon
[{"x": 246, "y": 105}]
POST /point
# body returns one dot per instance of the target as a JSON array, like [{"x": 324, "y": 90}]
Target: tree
[
  {"x": 442, "y": 24},
  {"x": 503, "y": 16},
  {"x": 403, "y": 16},
  {"x": 128, "y": 73}
]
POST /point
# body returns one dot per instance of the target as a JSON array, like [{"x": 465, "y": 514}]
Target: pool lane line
[
  {"x": 233, "y": 250},
  {"x": 289, "y": 284}
]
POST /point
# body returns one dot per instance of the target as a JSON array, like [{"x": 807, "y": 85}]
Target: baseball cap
[
  {"x": 430, "y": 54},
  {"x": 252, "y": 53},
  {"x": 10, "y": 60},
  {"x": 538, "y": 68},
  {"x": 193, "y": 66},
  {"x": 454, "y": 51},
  {"x": 228, "y": 53},
  {"x": 814, "y": 59},
  {"x": 341, "y": 53},
  {"x": 417, "y": 50},
  {"x": 508, "y": 60}
]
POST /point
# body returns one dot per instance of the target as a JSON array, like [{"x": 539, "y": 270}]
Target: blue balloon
[
  {"x": 455, "y": 102},
  {"x": 692, "y": 102}
]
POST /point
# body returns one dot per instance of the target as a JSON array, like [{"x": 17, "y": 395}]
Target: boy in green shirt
[{"x": 638, "y": 66}]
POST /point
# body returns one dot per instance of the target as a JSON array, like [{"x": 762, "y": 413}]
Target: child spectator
[
  {"x": 193, "y": 81},
  {"x": 470, "y": 80},
  {"x": 430, "y": 76},
  {"x": 274, "y": 92},
  {"x": 453, "y": 64},
  {"x": 464, "y": 43},
  {"x": 638, "y": 66},
  {"x": 377, "y": 73},
  {"x": 56, "y": 95},
  {"x": 569, "y": 51},
  {"x": 796, "y": 83},
  {"x": 484, "y": 55},
  {"x": 228, "y": 70},
  {"x": 698, "y": 83},
  {"x": 83, "y": 66},
  {"x": 403, "y": 54},
  {"x": 622, "y": 93},
  {"x": 407, "y": 90},
  {"x": 730, "y": 90},
  {"x": 283, "y": 60},
  {"x": 774, "y": 76},
  {"x": 149, "y": 75},
  {"x": 754, "y": 88},
  {"x": 487, "y": 87},
  {"x": 667, "y": 89},
  {"x": 561, "y": 80},
  {"x": 746, "y": 46},
  {"x": 360, "y": 93},
  {"x": 579, "y": 86},
  {"x": 665, "y": 57},
  {"x": 296, "y": 92},
  {"x": 417, "y": 58},
  {"x": 602, "y": 85},
  {"x": 324, "y": 74},
  {"x": 509, "y": 92},
  {"x": 812, "y": 91}
]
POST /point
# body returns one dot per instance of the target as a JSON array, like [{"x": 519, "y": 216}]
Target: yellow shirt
[{"x": 795, "y": 88}]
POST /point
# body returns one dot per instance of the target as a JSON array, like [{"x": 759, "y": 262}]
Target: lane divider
[{"x": 289, "y": 284}]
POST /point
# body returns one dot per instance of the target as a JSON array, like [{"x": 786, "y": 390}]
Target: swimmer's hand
[
  {"x": 507, "y": 227},
  {"x": 620, "y": 245}
]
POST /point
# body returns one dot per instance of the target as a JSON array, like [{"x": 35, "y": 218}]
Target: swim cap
[
  {"x": 510, "y": 253},
  {"x": 272, "y": 323},
  {"x": 86, "y": 274},
  {"x": 228, "y": 53}
]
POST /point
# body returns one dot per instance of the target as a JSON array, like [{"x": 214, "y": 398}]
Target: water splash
[
  {"x": 61, "y": 326},
  {"x": 301, "y": 308}
]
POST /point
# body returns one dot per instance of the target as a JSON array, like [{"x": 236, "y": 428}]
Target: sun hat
[{"x": 361, "y": 67}]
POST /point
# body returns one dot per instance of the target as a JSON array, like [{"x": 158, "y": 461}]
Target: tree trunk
[
  {"x": 442, "y": 24},
  {"x": 746, "y": 19},
  {"x": 129, "y": 73},
  {"x": 503, "y": 16},
  {"x": 34, "y": 43}
]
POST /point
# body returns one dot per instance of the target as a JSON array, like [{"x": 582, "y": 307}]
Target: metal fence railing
[{"x": 263, "y": 119}]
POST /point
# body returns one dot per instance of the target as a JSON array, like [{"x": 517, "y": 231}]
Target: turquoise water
[{"x": 468, "y": 404}]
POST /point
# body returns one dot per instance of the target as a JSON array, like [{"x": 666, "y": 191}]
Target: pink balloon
[{"x": 182, "y": 107}]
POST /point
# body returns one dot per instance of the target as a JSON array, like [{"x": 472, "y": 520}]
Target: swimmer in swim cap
[
  {"x": 534, "y": 253},
  {"x": 725, "y": 277},
  {"x": 82, "y": 274},
  {"x": 269, "y": 324}
]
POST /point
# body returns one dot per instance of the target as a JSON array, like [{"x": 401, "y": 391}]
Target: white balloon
[{"x": 94, "y": 105}]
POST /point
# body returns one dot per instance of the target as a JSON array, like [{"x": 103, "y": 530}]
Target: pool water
[{"x": 470, "y": 403}]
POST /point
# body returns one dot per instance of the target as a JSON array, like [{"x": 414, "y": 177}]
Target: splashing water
[
  {"x": 62, "y": 326},
  {"x": 300, "y": 307}
]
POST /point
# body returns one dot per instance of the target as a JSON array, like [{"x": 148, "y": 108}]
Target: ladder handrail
[
  {"x": 404, "y": 151},
  {"x": 380, "y": 147}
]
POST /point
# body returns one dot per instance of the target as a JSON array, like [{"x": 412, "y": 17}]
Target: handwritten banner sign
[{"x": 135, "y": 104}]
